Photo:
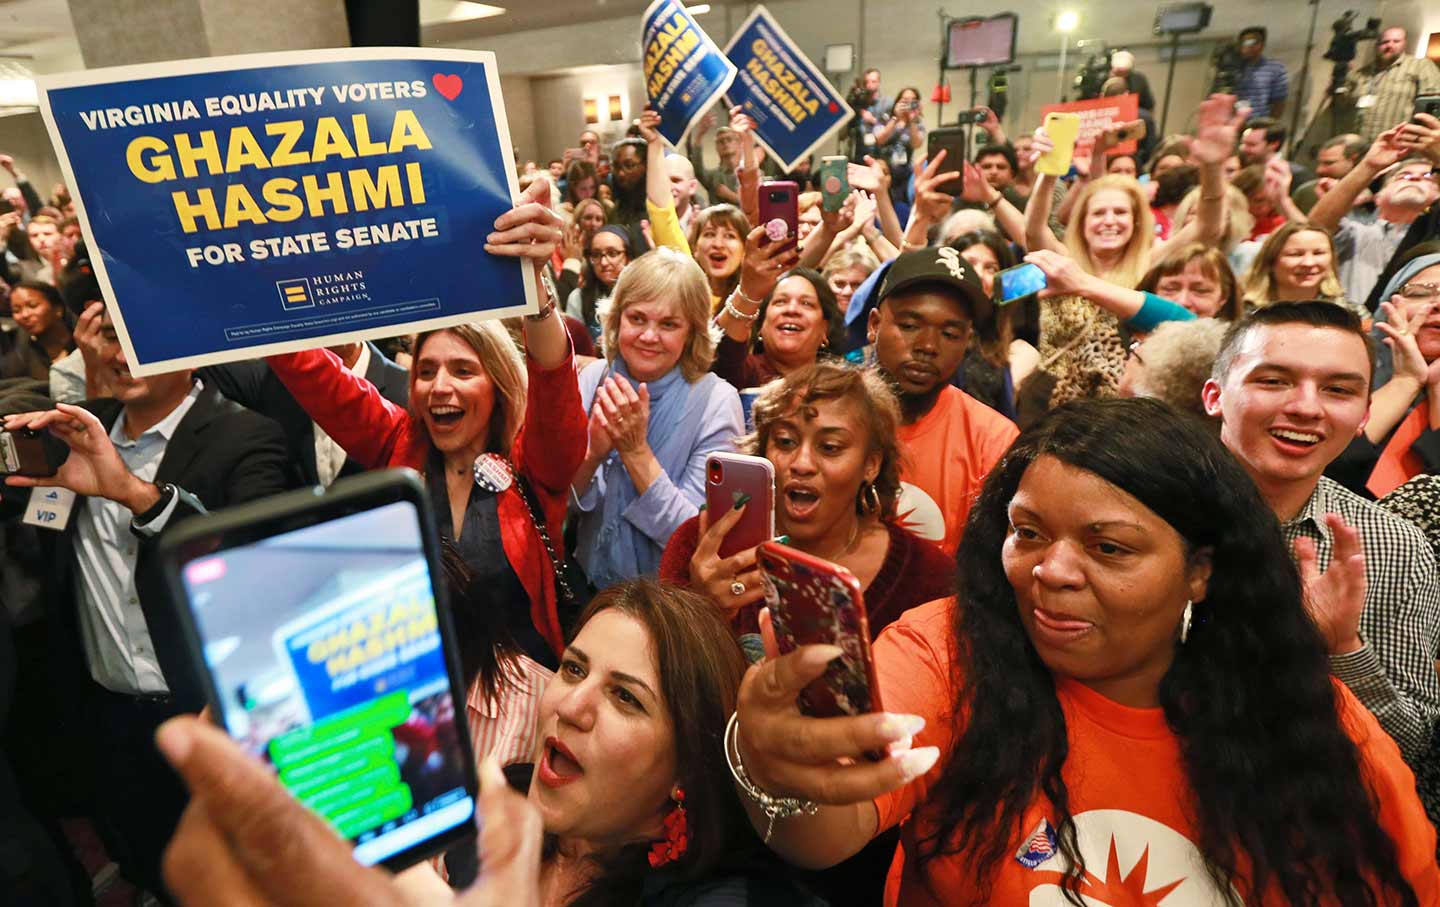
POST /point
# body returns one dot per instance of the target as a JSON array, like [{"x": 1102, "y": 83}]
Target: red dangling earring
[{"x": 677, "y": 834}]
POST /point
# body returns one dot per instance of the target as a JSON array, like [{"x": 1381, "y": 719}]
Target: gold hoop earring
[{"x": 869, "y": 503}]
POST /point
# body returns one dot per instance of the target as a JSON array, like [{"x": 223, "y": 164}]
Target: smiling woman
[
  {"x": 1135, "y": 673},
  {"x": 655, "y": 414},
  {"x": 466, "y": 430}
]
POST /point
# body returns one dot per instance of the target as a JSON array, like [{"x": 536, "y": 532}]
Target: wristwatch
[{"x": 167, "y": 494}]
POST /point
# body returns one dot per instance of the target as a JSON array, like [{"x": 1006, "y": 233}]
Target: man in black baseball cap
[{"x": 930, "y": 302}]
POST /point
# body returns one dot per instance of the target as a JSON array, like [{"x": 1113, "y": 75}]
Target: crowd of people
[{"x": 1148, "y": 558}]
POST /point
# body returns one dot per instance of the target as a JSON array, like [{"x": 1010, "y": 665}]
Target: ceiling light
[
  {"x": 698, "y": 9},
  {"x": 1067, "y": 21},
  {"x": 434, "y": 12}
]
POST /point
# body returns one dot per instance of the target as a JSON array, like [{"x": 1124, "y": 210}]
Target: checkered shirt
[{"x": 1393, "y": 673}]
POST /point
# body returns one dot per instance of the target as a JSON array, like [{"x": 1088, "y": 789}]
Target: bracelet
[
  {"x": 738, "y": 291},
  {"x": 551, "y": 298},
  {"x": 736, "y": 313},
  {"x": 773, "y": 807}
]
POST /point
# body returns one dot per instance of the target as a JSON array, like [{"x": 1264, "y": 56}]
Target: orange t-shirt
[
  {"x": 1126, "y": 783},
  {"x": 947, "y": 454}
]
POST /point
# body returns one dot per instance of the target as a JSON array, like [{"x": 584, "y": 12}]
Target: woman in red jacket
[{"x": 466, "y": 431}]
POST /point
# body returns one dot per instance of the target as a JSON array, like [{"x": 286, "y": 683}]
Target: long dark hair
[
  {"x": 590, "y": 284},
  {"x": 700, "y": 666},
  {"x": 1274, "y": 781},
  {"x": 487, "y": 649}
]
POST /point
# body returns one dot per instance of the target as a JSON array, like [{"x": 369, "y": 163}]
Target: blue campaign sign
[
  {"x": 795, "y": 108},
  {"x": 239, "y": 206},
  {"x": 685, "y": 72}
]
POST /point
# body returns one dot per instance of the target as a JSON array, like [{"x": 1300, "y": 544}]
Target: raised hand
[
  {"x": 528, "y": 230},
  {"x": 650, "y": 126},
  {"x": 1217, "y": 129},
  {"x": 1336, "y": 597}
]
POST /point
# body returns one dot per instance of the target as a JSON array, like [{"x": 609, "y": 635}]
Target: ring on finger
[{"x": 737, "y": 588}]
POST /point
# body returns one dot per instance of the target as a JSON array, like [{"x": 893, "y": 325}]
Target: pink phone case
[
  {"x": 816, "y": 602},
  {"x": 780, "y": 210},
  {"x": 727, "y": 477}
]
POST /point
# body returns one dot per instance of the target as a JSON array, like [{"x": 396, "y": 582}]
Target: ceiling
[{"x": 38, "y": 34}]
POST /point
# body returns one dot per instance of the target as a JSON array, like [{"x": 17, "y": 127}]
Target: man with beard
[
  {"x": 930, "y": 301},
  {"x": 1385, "y": 88},
  {"x": 1365, "y": 247}
]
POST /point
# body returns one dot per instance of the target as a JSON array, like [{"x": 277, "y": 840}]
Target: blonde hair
[
  {"x": 855, "y": 255},
  {"x": 664, "y": 273},
  {"x": 503, "y": 363},
  {"x": 1136, "y": 259},
  {"x": 1238, "y": 222},
  {"x": 1260, "y": 286}
]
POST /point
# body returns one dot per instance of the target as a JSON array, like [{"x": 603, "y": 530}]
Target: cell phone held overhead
[{"x": 318, "y": 623}]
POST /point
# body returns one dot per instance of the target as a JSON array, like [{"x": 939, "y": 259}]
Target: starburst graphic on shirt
[{"x": 1117, "y": 890}]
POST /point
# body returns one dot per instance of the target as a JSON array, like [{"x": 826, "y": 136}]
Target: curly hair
[
  {"x": 1178, "y": 357},
  {"x": 1249, "y": 696},
  {"x": 865, "y": 389}
]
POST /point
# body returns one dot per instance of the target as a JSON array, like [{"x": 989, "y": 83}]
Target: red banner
[{"x": 1098, "y": 115}]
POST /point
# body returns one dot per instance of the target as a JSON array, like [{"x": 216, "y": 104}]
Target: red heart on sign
[
  {"x": 833, "y": 108},
  {"x": 449, "y": 86}
]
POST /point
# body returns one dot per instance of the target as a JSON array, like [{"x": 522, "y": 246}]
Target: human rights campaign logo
[{"x": 295, "y": 294}]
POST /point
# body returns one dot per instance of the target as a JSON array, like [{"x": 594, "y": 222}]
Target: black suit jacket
[
  {"x": 219, "y": 456},
  {"x": 253, "y": 385}
]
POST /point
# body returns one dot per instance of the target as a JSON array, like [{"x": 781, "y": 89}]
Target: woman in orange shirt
[{"x": 1130, "y": 703}]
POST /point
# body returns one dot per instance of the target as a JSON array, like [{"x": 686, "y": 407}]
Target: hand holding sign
[{"x": 529, "y": 230}]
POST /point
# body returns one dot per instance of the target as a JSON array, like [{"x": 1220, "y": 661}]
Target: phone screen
[
  {"x": 324, "y": 648},
  {"x": 1019, "y": 281}
]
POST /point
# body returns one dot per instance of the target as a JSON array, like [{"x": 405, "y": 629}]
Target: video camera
[
  {"x": 1229, "y": 66},
  {"x": 1342, "y": 43},
  {"x": 1092, "y": 75}
]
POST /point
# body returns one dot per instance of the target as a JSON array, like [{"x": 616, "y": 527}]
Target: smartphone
[
  {"x": 955, "y": 143},
  {"x": 816, "y": 602},
  {"x": 1017, "y": 283},
  {"x": 1064, "y": 130},
  {"x": 31, "y": 452},
  {"x": 780, "y": 210},
  {"x": 318, "y": 624},
  {"x": 1427, "y": 103},
  {"x": 728, "y": 478},
  {"x": 6, "y": 206},
  {"x": 834, "y": 181},
  {"x": 971, "y": 117}
]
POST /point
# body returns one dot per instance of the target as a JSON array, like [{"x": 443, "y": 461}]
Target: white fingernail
[
  {"x": 896, "y": 726},
  {"x": 915, "y": 763}
]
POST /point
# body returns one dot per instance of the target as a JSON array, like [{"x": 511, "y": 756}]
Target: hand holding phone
[
  {"x": 1020, "y": 282},
  {"x": 1063, "y": 130},
  {"x": 319, "y": 626},
  {"x": 815, "y": 602},
  {"x": 954, "y": 141},
  {"x": 834, "y": 182},
  {"x": 31, "y": 452},
  {"x": 733, "y": 481},
  {"x": 780, "y": 211}
]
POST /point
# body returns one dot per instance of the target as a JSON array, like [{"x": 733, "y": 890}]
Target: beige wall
[{"x": 23, "y": 136}]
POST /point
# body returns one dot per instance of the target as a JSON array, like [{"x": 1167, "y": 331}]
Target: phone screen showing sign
[{"x": 324, "y": 646}]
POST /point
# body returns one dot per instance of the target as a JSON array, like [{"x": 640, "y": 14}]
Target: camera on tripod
[
  {"x": 1229, "y": 67},
  {"x": 1093, "y": 72},
  {"x": 1342, "y": 43}
]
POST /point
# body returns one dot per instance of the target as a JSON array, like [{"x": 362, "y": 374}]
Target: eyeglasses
[
  {"x": 1419, "y": 292},
  {"x": 1133, "y": 351},
  {"x": 607, "y": 255}
]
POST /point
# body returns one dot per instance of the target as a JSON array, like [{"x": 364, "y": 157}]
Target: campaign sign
[
  {"x": 684, "y": 71},
  {"x": 239, "y": 206},
  {"x": 1098, "y": 115},
  {"x": 366, "y": 643},
  {"x": 795, "y": 108}
]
